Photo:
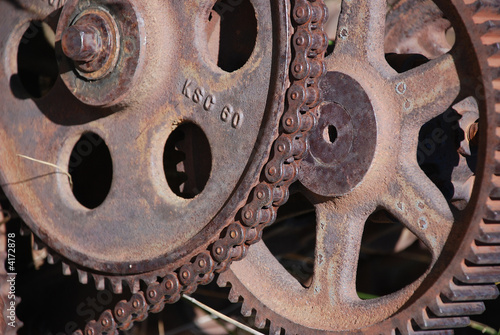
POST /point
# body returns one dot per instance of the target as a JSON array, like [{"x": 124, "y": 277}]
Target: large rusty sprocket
[
  {"x": 463, "y": 243},
  {"x": 91, "y": 105}
]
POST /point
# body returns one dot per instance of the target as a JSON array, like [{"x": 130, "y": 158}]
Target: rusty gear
[
  {"x": 206, "y": 96},
  {"x": 463, "y": 244},
  {"x": 253, "y": 181}
]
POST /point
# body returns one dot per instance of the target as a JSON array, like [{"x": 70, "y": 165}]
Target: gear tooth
[
  {"x": 52, "y": 258},
  {"x": 100, "y": 284},
  {"x": 462, "y": 292},
  {"x": 221, "y": 281},
  {"x": 274, "y": 329},
  {"x": 495, "y": 180},
  {"x": 400, "y": 331},
  {"x": 497, "y": 155},
  {"x": 426, "y": 321},
  {"x": 410, "y": 330},
  {"x": 491, "y": 51},
  {"x": 260, "y": 320},
  {"x": 489, "y": 233},
  {"x": 492, "y": 212},
  {"x": 246, "y": 309},
  {"x": 66, "y": 269},
  {"x": 481, "y": 255},
  {"x": 116, "y": 284},
  {"x": 495, "y": 74},
  {"x": 479, "y": 275},
  {"x": 37, "y": 243},
  {"x": 489, "y": 31},
  {"x": 24, "y": 230},
  {"x": 82, "y": 276},
  {"x": 233, "y": 296},
  {"x": 442, "y": 308},
  {"x": 134, "y": 285},
  {"x": 148, "y": 280}
]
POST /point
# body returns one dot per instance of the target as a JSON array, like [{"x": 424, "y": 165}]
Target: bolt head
[{"x": 81, "y": 43}]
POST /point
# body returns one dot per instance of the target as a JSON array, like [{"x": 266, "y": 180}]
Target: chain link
[{"x": 309, "y": 43}]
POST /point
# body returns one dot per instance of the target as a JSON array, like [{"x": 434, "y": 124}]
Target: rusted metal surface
[
  {"x": 176, "y": 90},
  {"x": 401, "y": 103},
  {"x": 101, "y": 50},
  {"x": 261, "y": 208},
  {"x": 134, "y": 72},
  {"x": 338, "y": 161}
]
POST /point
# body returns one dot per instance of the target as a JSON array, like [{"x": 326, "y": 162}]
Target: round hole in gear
[
  {"x": 187, "y": 161},
  {"x": 231, "y": 33},
  {"x": 36, "y": 60},
  {"x": 91, "y": 169}
]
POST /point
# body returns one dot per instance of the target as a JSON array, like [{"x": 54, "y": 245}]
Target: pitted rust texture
[
  {"x": 101, "y": 50},
  {"x": 225, "y": 240},
  {"x": 280, "y": 172},
  {"x": 239, "y": 130},
  {"x": 337, "y": 164},
  {"x": 464, "y": 258}
]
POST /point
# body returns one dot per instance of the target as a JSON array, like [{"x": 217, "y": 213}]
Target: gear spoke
[
  {"x": 360, "y": 31},
  {"x": 338, "y": 241},
  {"x": 421, "y": 207},
  {"x": 428, "y": 90}
]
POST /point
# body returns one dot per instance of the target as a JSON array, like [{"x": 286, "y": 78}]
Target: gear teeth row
[
  {"x": 253, "y": 312},
  {"x": 68, "y": 269},
  {"x": 485, "y": 10},
  {"x": 482, "y": 264},
  {"x": 116, "y": 283}
]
